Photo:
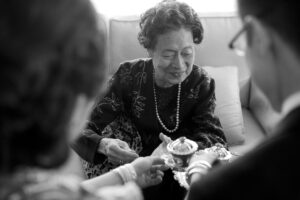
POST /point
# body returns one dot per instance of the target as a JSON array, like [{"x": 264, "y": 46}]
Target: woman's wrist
[
  {"x": 194, "y": 177},
  {"x": 102, "y": 146},
  {"x": 196, "y": 170},
  {"x": 200, "y": 163},
  {"x": 126, "y": 172}
]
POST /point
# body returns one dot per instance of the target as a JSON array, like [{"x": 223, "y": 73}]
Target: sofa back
[
  {"x": 213, "y": 51},
  {"x": 213, "y": 54}
]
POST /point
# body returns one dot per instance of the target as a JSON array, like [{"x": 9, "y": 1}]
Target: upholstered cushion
[
  {"x": 254, "y": 134},
  {"x": 262, "y": 109},
  {"x": 228, "y": 104},
  {"x": 245, "y": 91}
]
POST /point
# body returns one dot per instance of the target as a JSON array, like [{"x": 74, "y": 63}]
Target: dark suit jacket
[{"x": 270, "y": 171}]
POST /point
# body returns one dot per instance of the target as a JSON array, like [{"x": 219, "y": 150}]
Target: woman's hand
[
  {"x": 162, "y": 148},
  {"x": 209, "y": 157},
  {"x": 149, "y": 170},
  {"x": 205, "y": 159},
  {"x": 117, "y": 151}
]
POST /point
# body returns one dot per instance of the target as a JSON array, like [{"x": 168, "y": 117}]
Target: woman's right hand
[{"x": 117, "y": 151}]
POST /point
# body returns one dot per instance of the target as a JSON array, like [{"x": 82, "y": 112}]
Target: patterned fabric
[
  {"x": 130, "y": 94},
  {"x": 123, "y": 129}
]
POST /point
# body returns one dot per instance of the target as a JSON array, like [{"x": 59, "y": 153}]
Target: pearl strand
[{"x": 177, "y": 109}]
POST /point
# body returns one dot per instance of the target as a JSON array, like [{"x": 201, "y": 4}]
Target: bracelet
[
  {"x": 126, "y": 172},
  {"x": 194, "y": 170},
  {"x": 197, "y": 166},
  {"x": 197, "y": 170},
  {"x": 201, "y": 162},
  {"x": 201, "y": 167}
]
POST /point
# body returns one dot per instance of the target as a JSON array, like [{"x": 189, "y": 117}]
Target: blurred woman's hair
[
  {"x": 168, "y": 16},
  {"x": 51, "y": 51}
]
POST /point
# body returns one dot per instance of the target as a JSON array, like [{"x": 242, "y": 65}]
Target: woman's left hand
[
  {"x": 149, "y": 170},
  {"x": 162, "y": 147}
]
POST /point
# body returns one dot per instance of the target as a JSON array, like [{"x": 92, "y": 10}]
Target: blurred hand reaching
[{"x": 149, "y": 170}]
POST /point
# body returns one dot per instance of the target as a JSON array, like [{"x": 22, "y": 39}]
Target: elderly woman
[
  {"x": 165, "y": 93},
  {"x": 52, "y": 55}
]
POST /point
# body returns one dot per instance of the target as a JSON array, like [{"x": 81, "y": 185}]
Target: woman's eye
[
  {"x": 168, "y": 56},
  {"x": 186, "y": 53}
]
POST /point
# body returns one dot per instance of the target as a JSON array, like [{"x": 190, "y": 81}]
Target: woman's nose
[{"x": 178, "y": 62}]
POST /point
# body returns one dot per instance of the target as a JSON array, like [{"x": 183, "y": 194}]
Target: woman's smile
[{"x": 177, "y": 74}]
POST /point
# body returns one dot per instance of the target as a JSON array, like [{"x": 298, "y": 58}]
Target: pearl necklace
[{"x": 177, "y": 109}]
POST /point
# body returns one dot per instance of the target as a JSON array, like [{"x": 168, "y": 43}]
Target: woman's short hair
[
  {"x": 166, "y": 16},
  {"x": 51, "y": 51}
]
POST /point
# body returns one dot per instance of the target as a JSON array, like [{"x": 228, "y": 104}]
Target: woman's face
[{"x": 173, "y": 57}]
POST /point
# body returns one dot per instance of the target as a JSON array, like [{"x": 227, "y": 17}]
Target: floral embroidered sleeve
[
  {"x": 208, "y": 130},
  {"x": 104, "y": 112}
]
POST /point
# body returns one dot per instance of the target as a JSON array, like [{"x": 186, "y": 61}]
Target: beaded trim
[{"x": 177, "y": 108}]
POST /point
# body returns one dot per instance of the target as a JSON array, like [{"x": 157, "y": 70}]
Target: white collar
[{"x": 291, "y": 103}]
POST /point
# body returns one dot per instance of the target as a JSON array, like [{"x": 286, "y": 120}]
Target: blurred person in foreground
[
  {"x": 270, "y": 41},
  {"x": 52, "y": 57}
]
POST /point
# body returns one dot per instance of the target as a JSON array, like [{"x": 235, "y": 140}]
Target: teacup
[{"x": 182, "y": 149}]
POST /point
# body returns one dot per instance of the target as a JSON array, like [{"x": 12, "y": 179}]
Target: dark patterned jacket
[{"x": 130, "y": 93}]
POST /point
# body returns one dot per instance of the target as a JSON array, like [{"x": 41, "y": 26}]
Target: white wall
[{"x": 133, "y": 7}]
